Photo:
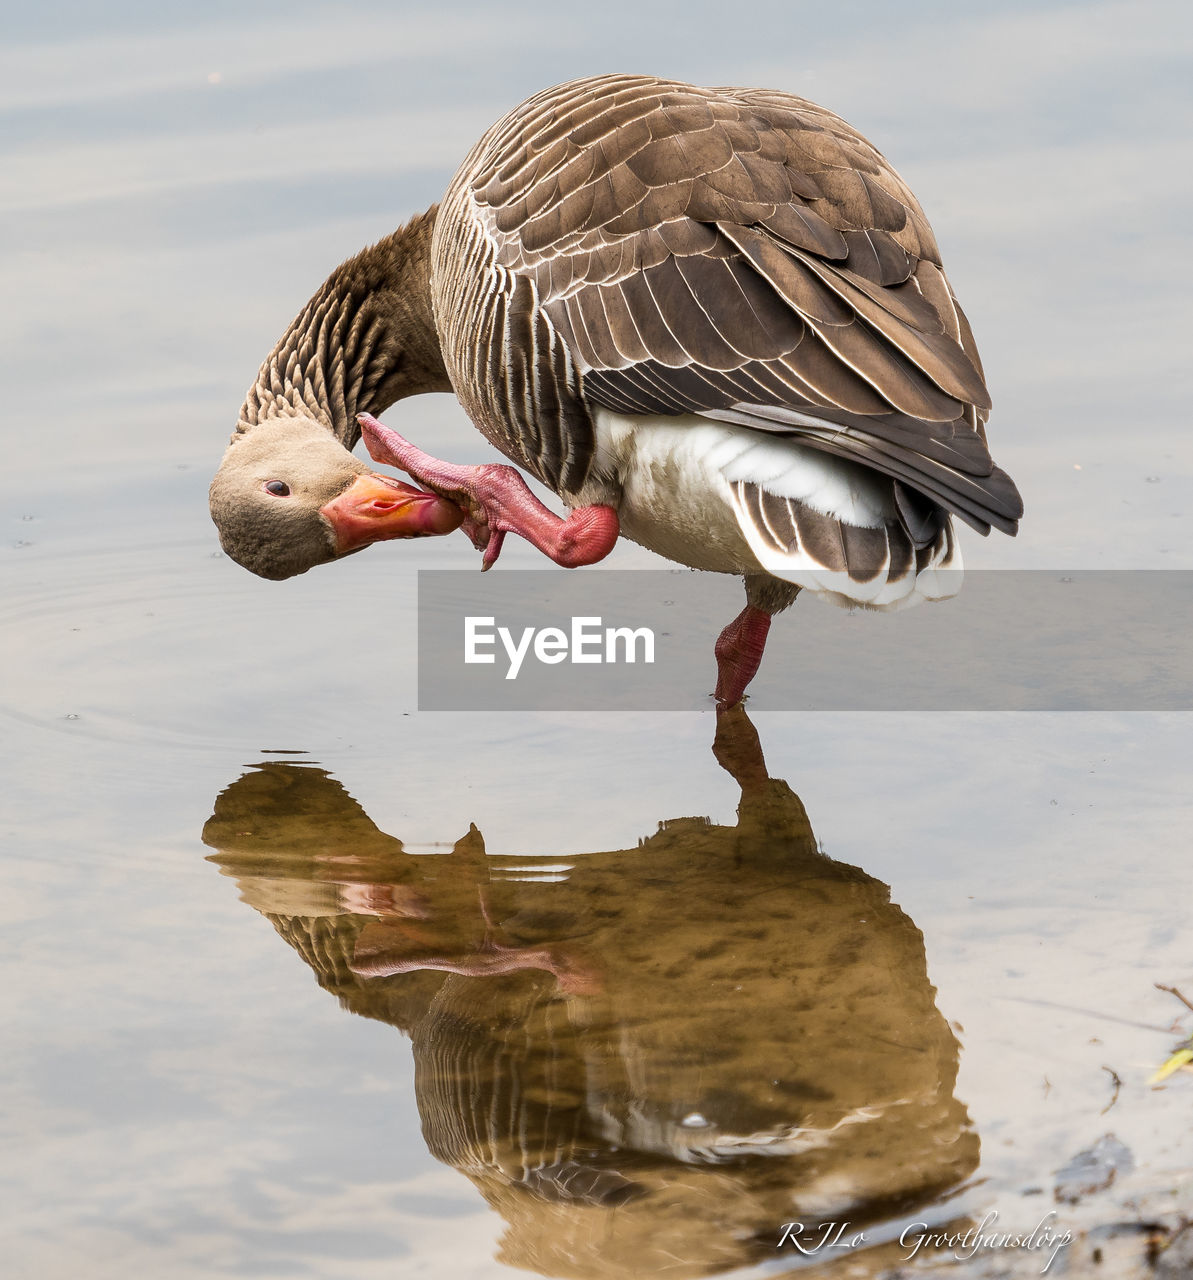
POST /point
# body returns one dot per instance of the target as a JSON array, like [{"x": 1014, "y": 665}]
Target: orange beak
[{"x": 374, "y": 508}]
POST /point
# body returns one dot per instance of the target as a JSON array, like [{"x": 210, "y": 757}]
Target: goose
[{"x": 712, "y": 320}]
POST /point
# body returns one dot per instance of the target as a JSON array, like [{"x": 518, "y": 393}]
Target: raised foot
[{"x": 497, "y": 501}]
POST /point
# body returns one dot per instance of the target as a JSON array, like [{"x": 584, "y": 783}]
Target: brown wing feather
[{"x": 742, "y": 253}]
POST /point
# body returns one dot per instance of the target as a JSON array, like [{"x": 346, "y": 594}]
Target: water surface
[{"x": 962, "y": 912}]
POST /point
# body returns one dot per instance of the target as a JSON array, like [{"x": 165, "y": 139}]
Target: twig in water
[
  {"x": 1118, "y": 1084},
  {"x": 1172, "y": 991}
]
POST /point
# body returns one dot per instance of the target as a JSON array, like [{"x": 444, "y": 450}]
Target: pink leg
[
  {"x": 498, "y": 502},
  {"x": 739, "y": 651}
]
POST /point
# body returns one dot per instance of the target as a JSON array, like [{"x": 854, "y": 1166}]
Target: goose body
[{"x": 718, "y": 314}]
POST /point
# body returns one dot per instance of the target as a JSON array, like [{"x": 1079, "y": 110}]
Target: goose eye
[{"x": 279, "y": 488}]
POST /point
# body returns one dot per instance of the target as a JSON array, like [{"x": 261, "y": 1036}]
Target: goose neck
[{"x": 365, "y": 340}]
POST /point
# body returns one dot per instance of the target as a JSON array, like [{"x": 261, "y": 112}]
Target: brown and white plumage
[
  {"x": 623, "y": 249},
  {"x": 718, "y": 312}
]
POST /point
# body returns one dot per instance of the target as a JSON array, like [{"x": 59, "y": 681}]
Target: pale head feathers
[{"x": 279, "y": 536}]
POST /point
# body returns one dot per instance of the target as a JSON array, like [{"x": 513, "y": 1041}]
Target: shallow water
[{"x": 904, "y": 996}]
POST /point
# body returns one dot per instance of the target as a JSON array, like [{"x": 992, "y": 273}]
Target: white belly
[
  {"x": 675, "y": 498},
  {"x": 677, "y": 477}
]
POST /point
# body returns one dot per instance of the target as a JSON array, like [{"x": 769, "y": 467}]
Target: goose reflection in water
[{"x": 652, "y": 1061}]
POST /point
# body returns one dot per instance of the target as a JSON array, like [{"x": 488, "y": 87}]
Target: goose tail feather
[{"x": 879, "y": 567}]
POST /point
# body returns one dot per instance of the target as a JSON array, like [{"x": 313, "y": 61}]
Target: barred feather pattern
[
  {"x": 878, "y": 566},
  {"x": 329, "y": 364},
  {"x": 646, "y": 247},
  {"x": 363, "y": 341},
  {"x": 510, "y": 367}
]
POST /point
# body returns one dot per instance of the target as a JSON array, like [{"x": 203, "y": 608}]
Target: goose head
[{"x": 289, "y": 496}]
